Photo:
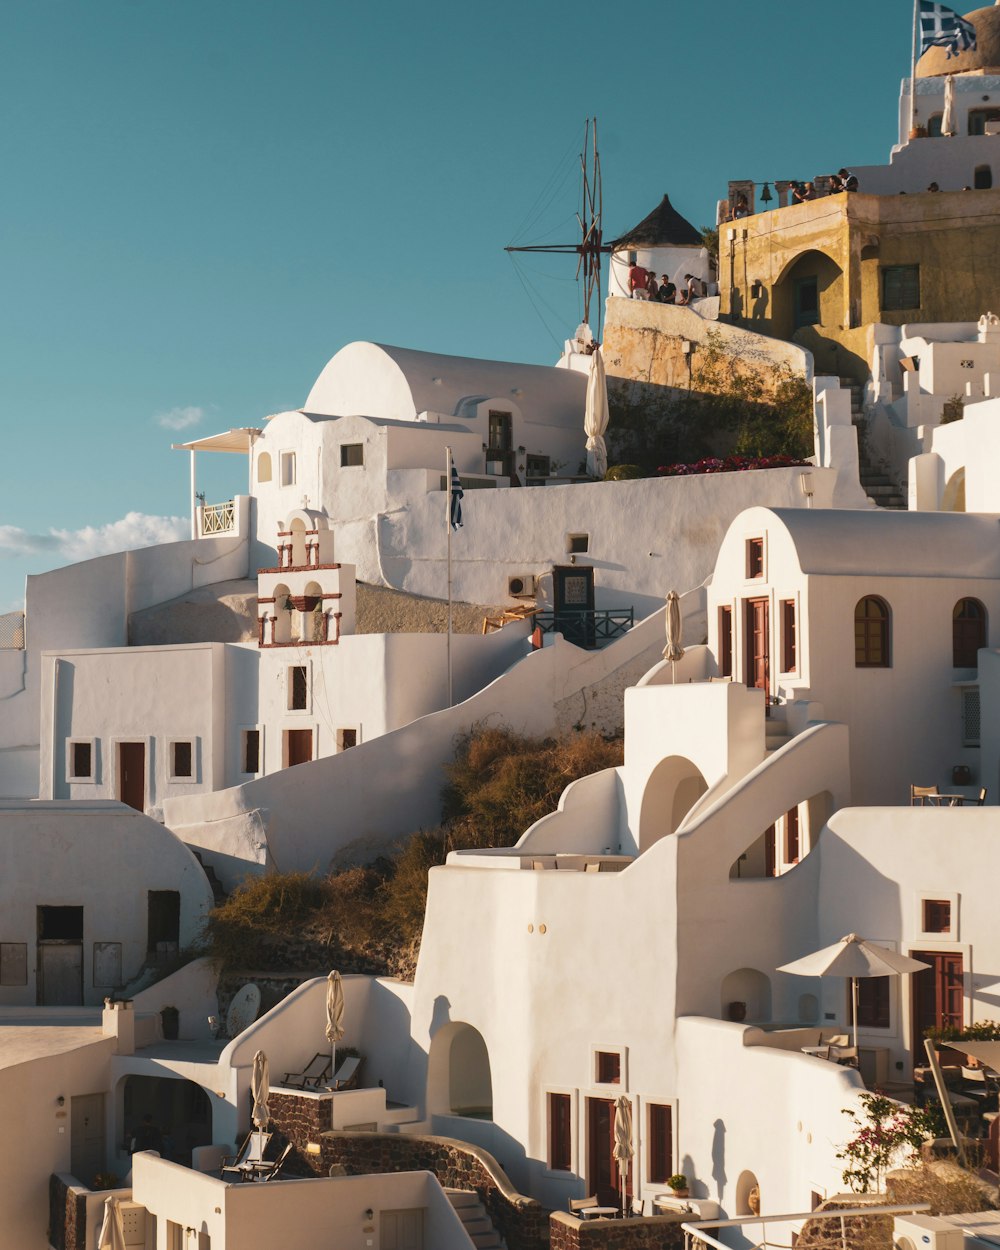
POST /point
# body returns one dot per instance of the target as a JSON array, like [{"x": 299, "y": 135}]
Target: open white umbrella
[
  {"x": 260, "y": 1082},
  {"x": 853, "y": 957},
  {"x": 334, "y": 1015},
  {"x": 623, "y": 1148},
  {"x": 595, "y": 417},
  {"x": 673, "y": 651},
  {"x": 112, "y": 1234}
]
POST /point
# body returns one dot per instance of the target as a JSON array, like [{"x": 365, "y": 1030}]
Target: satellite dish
[{"x": 243, "y": 1009}]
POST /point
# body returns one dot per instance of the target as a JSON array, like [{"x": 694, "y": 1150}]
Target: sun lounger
[
  {"x": 312, "y": 1076},
  {"x": 346, "y": 1074}
]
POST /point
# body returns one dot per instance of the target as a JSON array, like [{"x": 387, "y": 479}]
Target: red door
[
  {"x": 300, "y": 746},
  {"x": 603, "y": 1177},
  {"x": 757, "y": 635},
  {"x": 132, "y": 774},
  {"x": 937, "y": 995}
]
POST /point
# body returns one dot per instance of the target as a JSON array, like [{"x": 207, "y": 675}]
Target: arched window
[
  {"x": 968, "y": 632},
  {"x": 871, "y": 633},
  {"x": 264, "y": 467}
]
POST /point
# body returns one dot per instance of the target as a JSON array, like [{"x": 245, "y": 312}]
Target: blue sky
[{"x": 203, "y": 200}]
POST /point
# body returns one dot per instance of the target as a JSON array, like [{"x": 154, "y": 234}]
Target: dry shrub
[{"x": 949, "y": 1188}]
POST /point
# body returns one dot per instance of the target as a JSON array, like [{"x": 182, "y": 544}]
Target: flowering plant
[
  {"x": 887, "y": 1131},
  {"x": 731, "y": 464}
]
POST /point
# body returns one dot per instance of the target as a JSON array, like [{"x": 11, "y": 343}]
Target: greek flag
[
  {"x": 456, "y": 500},
  {"x": 941, "y": 27}
]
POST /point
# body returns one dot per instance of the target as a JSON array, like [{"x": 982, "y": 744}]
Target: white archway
[
  {"x": 459, "y": 1081},
  {"x": 673, "y": 788}
]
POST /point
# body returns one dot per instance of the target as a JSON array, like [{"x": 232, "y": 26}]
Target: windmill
[{"x": 591, "y": 245}]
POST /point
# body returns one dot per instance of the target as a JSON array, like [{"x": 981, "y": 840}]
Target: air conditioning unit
[
  {"x": 521, "y": 586},
  {"x": 134, "y": 1223},
  {"x": 925, "y": 1232}
]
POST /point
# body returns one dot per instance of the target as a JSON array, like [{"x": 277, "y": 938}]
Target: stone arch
[
  {"x": 282, "y": 613},
  {"x": 805, "y": 292},
  {"x": 785, "y": 842},
  {"x": 297, "y": 536},
  {"x": 953, "y": 496},
  {"x": 752, "y": 988},
  {"x": 747, "y": 1194},
  {"x": 459, "y": 1081},
  {"x": 672, "y": 789},
  {"x": 315, "y": 614}
]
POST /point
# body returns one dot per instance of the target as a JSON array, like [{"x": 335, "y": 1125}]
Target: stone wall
[
  {"x": 67, "y": 1213},
  {"x": 659, "y": 1232}
]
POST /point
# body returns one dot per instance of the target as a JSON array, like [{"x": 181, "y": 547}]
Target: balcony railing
[
  {"x": 590, "y": 629},
  {"x": 12, "y": 631},
  {"x": 218, "y": 518}
]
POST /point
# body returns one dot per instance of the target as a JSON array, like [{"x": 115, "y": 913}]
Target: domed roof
[{"x": 985, "y": 59}]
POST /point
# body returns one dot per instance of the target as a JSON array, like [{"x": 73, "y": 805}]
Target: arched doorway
[
  {"x": 673, "y": 788},
  {"x": 181, "y": 1111},
  {"x": 458, "y": 1073},
  {"x": 808, "y": 293}
]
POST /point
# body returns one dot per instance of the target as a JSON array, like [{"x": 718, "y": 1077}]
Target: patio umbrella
[
  {"x": 334, "y": 1015},
  {"x": 595, "y": 417},
  {"x": 948, "y": 120},
  {"x": 673, "y": 651},
  {"x": 853, "y": 957},
  {"x": 623, "y": 1148},
  {"x": 260, "y": 1083},
  {"x": 112, "y": 1234}
]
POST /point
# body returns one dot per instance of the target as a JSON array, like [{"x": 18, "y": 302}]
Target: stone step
[
  {"x": 463, "y": 1198},
  {"x": 475, "y": 1219},
  {"x": 490, "y": 1241}
]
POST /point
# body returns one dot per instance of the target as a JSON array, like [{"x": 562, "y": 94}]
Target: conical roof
[
  {"x": 664, "y": 227},
  {"x": 983, "y": 59}
]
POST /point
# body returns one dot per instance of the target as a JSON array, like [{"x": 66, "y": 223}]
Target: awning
[{"x": 239, "y": 441}]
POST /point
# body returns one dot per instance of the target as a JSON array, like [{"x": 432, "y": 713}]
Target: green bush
[{"x": 623, "y": 473}]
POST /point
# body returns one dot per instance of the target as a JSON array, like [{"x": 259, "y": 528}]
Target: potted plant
[{"x": 679, "y": 1185}]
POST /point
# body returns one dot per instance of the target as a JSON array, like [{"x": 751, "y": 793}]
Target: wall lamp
[
  {"x": 60, "y": 1101},
  {"x": 369, "y": 1214}
]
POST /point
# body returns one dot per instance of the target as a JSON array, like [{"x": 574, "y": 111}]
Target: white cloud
[
  {"x": 179, "y": 418},
  {"x": 135, "y": 529}
]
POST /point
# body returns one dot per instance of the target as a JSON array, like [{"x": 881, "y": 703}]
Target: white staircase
[{"x": 475, "y": 1219}]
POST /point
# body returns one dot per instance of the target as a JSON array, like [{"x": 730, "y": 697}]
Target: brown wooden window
[
  {"x": 789, "y": 641},
  {"x": 251, "y": 751},
  {"x": 725, "y": 642},
  {"x": 298, "y": 696},
  {"x": 560, "y": 1133},
  {"x": 661, "y": 1143},
  {"x": 968, "y": 632},
  {"x": 873, "y": 1002},
  {"x": 346, "y": 738},
  {"x": 609, "y": 1067},
  {"x": 792, "y": 836},
  {"x": 181, "y": 759},
  {"x": 937, "y": 915},
  {"x": 83, "y": 759},
  {"x": 755, "y": 557},
  {"x": 871, "y": 633}
]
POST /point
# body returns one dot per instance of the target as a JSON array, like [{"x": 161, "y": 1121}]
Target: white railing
[
  {"x": 695, "y": 1233},
  {"x": 217, "y": 518},
  {"x": 12, "y": 631}
]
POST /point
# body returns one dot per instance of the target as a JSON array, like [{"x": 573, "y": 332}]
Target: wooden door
[
  {"x": 60, "y": 974},
  {"x": 757, "y": 636},
  {"x": 86, "y": 1136},
  {"x": 401, "y": 1230},
  {"x": 573, "y": 595},
  {"x": 500, "y": 449},
  {"x": 938, "y": 995},
  {"x": 300, "y": 746},
  {"x": 603, "y": 1177},
  {"x": 132, "y": 774}
]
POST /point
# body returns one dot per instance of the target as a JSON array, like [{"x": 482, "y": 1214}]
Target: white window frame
[
  {"x": 243, "y": 731},
  {"x": 289, "y": 687},
  {"x": 621, "y": 1085},
  {"x": 574, "y": 1133},
  {"x": 70, "y": 775},
  {"x": 641, "y": 1117},
  {"x": 193, "y": 743},
  {"x": 286, "y": 458},
  {"x": 340, "y": 737},
  {"x": 925, "y": 936}
]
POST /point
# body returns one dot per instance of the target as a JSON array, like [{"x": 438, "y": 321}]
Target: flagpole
[
  {"x": 447, "y": 523},
  {"x": 913, "y": 71}
]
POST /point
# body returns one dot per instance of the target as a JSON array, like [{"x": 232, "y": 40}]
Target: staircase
[
  {"x": 775, "y": 730},
  {"x": 879, "y": 488},
  {"x": 475, "y": 1219}
]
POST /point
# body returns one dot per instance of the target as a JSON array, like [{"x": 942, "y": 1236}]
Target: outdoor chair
[
  {"x": 581, "y": 1204},
  {"x": 272, "y": 1169},
  {"x": 347, "y": 1074},
  {"x": 312, "y": 1075},
  {"x": 982, "y": 797},
  {"x": 251, "y": 1153},
  {"x": 918, "y": 794},
  {"x": 845, "y": 1055}
]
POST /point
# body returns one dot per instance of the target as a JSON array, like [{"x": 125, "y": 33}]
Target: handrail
[
  {"x": 694, "y": 1230},
  {"x": 217, "y": 518},
  {"x": 587, "y": 627}
]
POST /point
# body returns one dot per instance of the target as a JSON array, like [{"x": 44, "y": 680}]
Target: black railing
[{"x": 584, "y": 628}]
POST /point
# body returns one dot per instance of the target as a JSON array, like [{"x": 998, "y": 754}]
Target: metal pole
[
  {"x": 946, "y": 1107},
  {"x": 194, "y": 500},
  {"x": 913, "y": 71},
  {"x": 447, "y": 523}
]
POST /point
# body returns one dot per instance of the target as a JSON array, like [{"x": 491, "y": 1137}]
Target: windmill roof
[{"x": 663, "y": 227}]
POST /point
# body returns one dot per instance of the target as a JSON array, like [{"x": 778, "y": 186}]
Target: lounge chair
[
  {"x": 272, "y": 1170},
  {"x": 316, "y": 1071},
  {"x": 250, "y": 1156},
  {"x": 347, "y": 1074}
]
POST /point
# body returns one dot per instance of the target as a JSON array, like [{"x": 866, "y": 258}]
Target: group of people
[
  {"x": 642, "y": 284},
  {"x": 800, "y": 192}
]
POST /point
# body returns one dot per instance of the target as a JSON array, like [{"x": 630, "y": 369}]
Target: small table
[
  {"x": 817, "y": 1052},
  {"x": 596, "y": 1213},
  {"x": 943, "y": 800}
]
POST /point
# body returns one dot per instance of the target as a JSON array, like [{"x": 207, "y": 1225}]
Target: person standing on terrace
[{"x": 637, "y": 279}]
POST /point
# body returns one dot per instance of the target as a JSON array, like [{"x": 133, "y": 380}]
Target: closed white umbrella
[
  {"x": 623, "y": 1148},
  {"x": 334, "y": 1014},
  {"x": 853, "y": 957},
  {"x": 260, "y": 1082},
  {"x": 673, "y": 651},
  {"x": 595, "y": 417},
  {"x": 112, "y": 1234},
  {"x": 948, "y": 120}
]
